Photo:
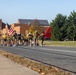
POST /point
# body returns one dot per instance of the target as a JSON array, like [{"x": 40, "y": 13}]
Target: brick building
[
  {"x": 20, "y": 28},
  {"x": 3, "y": 27},
  {"x": 23, "y": 25}
]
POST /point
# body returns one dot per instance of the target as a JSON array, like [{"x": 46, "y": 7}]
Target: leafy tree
[
  {"x": 71, "y": 30},
  {"x": 57, "y": 27},
  {"x": 36, "y": 26}
]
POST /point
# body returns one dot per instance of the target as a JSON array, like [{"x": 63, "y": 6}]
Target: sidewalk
[{"x": 8, "y": 67}]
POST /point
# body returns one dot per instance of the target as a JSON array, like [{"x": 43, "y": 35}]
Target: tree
[
  {"x": 36, "y": 26},
  {"x": 71, "y": 30},
  {"x": 57, "y": 27}
]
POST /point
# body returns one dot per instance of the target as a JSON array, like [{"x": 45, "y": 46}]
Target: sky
[{"x": 12, "y": 10}]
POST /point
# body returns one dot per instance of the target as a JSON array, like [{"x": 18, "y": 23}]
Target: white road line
[
  {"x": 68, "y": 51},
  {"x": 60, "y": 50}
]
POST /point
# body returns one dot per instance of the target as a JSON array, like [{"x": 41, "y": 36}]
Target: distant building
[
  {"x": 23, "y": 25},
  {"x": 3, "y": 27},
  {"x": 30, "y": 21},
  {"x": 6, "y": 28}
]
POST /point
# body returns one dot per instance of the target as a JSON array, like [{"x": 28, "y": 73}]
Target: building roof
[{"x": 30, "y": 21}]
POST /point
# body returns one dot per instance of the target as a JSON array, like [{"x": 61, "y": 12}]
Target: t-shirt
[
  {"x": 26, "y": 37},
  {"x": 4, "y": 36},
  {"x": 30, "y": 36},
  {"x": 15, "y": 35}
]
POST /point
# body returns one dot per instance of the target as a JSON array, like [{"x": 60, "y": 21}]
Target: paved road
[{"x": 62, "y": 57}]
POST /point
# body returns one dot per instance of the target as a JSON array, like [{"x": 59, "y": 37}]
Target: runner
[
  {"x": 36, "y": 38},
  {"x": 14, "y": 39},
  {"x": 30, "y": 37},
  {"x": 42, "y": 38},
  {"x": 5, "y": 39}
]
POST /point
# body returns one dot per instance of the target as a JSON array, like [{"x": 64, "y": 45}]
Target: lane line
[{"x": 68, "y": 51}]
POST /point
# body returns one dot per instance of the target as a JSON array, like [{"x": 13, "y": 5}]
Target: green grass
[{"x": 60, "y": 43}]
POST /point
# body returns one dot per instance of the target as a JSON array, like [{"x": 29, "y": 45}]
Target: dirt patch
[{"x": 36, "y": 66}]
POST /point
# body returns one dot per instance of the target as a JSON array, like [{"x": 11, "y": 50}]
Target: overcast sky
[{"x": 12, "y": 10}]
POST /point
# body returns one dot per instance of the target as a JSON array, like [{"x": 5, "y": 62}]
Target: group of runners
[{"x": 20, "y": 39}]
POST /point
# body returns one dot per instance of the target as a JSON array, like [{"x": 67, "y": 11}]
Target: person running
[
  {"x": 36, "y": 38},
  {"x": 42, "y": 38},
  {"x": 14, "y": 39},
  {"x": 5, "y": 39},
  {"x": 19, "y": 39},
  {"x": 26, "y": 39},
  {"x": 30, "y": 37}
]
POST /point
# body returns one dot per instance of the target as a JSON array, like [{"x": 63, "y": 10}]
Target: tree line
[{"x": 64, "y": 27}]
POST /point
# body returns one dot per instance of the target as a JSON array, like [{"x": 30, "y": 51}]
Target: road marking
[
  {"x": 60, "y": 50},
  {"x": 68, "y": 51}
]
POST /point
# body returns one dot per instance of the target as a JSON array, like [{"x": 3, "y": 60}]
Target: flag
[
  {"x": 10, "y": 31},
  {"x": 47, "y": 33}
]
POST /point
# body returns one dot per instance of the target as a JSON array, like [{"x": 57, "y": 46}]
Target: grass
[
  {"x": 60, "y": 43},
  {"x": 36, "y": 66}
]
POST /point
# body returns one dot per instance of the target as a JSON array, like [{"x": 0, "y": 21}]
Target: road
[{"x": 62, "y": 57}]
